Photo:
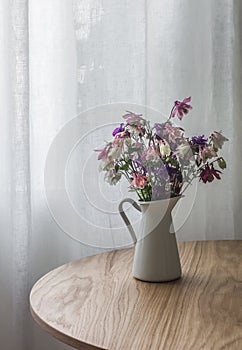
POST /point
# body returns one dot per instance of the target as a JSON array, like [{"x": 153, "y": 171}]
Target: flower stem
[{"x": 171, "y": 113}]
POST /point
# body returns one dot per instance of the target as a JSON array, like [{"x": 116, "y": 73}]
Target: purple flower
[
  {"x": 159, "y": 192},
  {"x": 208, "y": 174},
  {"x": 140, "y": 166},
  {"x": 159, "y": 130},
  {"x": 161, "y": 173},
  {"x": 119, "y": 129},
  {"x": 174, "y": 173},
  {"x": 171, "y": 170},
  {"x": 199, "y": 140},
  {"x": 181, "y": 107}
]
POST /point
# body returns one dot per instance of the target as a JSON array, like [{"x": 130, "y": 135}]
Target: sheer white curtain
[{"x": 59, "y": 58}]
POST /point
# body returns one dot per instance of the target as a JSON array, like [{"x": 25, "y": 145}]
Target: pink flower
[
  {"x": 119, "y": 139},
  {"x": 181, "y": 107},
  {"x": 139, "y": 181},
  {"x": 138, "y": 145},
  {"x": 207, "y": 153},
  {"x": 173, "y": 132},
  {"x": 208, "y": 174},
  {"x": 218, "y": 139},
  {"x": 150, "y": 155},
  {"x": 133, "y": 118},
  {"x": 104, "y": 151}
]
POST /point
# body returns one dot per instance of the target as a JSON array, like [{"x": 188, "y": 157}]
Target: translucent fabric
[{"x": 59, "y": 59}]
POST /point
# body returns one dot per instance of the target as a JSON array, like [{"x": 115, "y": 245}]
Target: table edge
[{"x": 63, "y": 337}]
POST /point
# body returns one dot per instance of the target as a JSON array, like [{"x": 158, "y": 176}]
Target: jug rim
[{"x": 162, "y": 200}]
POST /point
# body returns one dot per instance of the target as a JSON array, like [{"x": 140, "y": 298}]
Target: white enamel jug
[{"x": 156, "y": 257}]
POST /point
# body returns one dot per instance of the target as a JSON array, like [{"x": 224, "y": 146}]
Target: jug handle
[{"x": 125, "y": 218}]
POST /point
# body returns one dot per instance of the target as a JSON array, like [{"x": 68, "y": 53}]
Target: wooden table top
[{"x": 95, "y": 303}]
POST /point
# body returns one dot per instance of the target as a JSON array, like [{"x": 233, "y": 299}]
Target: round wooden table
[{"x": 95, "y": 303}]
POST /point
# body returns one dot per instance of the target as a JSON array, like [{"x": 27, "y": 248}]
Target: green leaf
[
  {"x": 124, "y": 167},
  {"x": 221, "y": 163}
]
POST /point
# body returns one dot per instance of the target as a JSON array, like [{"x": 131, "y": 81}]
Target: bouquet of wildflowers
[{"x": 158, "y": 160}]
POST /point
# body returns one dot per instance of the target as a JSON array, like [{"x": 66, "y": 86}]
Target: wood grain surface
[{"x": 95, "y": 303}]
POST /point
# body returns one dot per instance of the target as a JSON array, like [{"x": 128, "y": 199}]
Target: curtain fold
[
  {"x": 20, "y": 167},
  {"x": 16, "y": 169},
  {"x": 236, "y": 170},
  {"x": 59, "y": 58}
]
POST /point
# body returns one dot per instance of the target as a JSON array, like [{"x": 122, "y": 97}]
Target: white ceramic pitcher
[{"x": 156, "y": 257}]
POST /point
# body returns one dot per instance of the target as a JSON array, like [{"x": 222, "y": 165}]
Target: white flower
[
  {"x": 183, "y": 150},
  {"x": 164, "y": 148},
  {"x": 134, "y": 131},
  {"x": 218, "y": 139},
  {"x": 112, "y": 177},
  {"x": 115, "y": 152},
  {"x": 105, "y": 165}
]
